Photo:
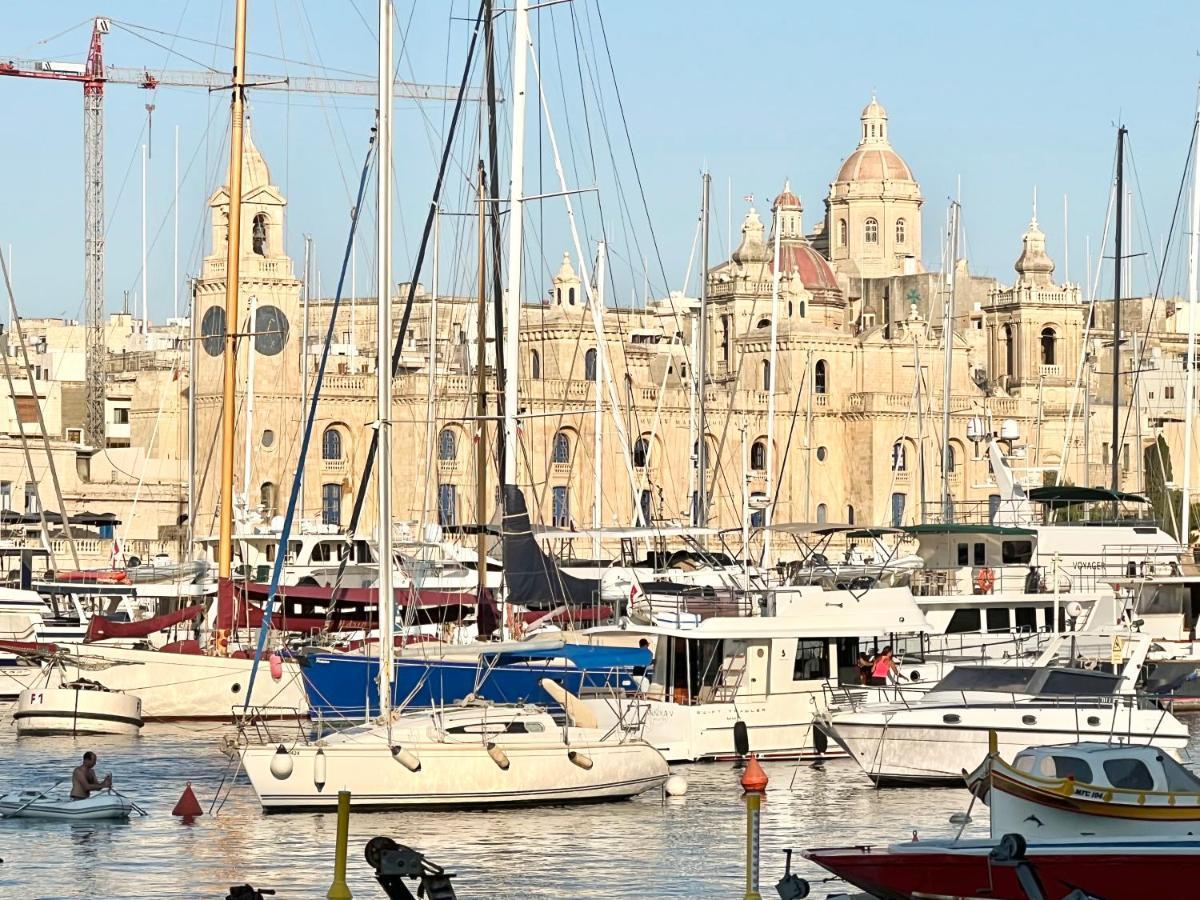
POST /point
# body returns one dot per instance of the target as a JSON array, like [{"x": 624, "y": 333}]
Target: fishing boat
[
  {"x": 81, "y": 706},
  {"x": 1082, "y": 688},
  {"x": 35, "y": 805},
  {"x": 1089, "y": 789}
]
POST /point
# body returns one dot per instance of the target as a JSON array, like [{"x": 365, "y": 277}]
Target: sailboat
[{"x": 472, "y": 754}]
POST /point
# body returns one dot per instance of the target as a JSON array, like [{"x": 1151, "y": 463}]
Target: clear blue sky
[{"x": 1005, "y": 97}]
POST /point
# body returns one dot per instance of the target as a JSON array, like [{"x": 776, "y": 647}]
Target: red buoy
[
  {"x": 188, "y": 806},
  {"x": 754, "y": 778}
]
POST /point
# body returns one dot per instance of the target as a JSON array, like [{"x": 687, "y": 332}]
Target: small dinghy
[
  {"x": 35, "y": 805},
  {"x": 77, "y": 707}
]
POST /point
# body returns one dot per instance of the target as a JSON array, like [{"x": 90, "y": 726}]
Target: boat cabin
[{"x": 1117, "y": 766}]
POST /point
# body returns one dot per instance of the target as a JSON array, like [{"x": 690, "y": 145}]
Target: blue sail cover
[{"x": 346, "y": 685}]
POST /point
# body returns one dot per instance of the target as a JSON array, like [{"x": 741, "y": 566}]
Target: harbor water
[{"x": 692, "y": 846}]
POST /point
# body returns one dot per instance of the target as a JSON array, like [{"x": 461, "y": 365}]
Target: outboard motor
[
  {"x": 248, "y": 892},
  {"x": 393, "y": 863}
]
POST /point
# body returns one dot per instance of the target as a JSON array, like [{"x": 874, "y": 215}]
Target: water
[{"x": 691, "y": 847}]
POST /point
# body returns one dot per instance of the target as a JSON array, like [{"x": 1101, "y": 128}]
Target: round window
[
  {"x": 268, "y": 437},
  {"x": 822, "y": 452},
  {"x": 212, "y": 330},
  {"x": 270, "y": 330}
]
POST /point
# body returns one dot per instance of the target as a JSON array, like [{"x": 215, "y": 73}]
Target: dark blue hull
[{"x": 344, "y": 685}]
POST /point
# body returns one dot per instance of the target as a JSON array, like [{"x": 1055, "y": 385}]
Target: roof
[
  {"x": 874, "y": 163},
  {"x": 1069, "y": 493},
  {"x": 750, "y": 627},
  {"x": 968, "y": 528},
  {"x": 802, "y": 257}
]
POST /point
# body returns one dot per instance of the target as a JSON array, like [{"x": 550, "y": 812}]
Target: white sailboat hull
[{"x": 189, "y": 687}]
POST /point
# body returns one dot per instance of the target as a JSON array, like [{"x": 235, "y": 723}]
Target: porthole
[
  {"x": 951, "y": 719},
  {"x": 237, "y": 688},
  {"x": 1094, "y": 721},
  {"x": 1029, "y": 720},
  {"x": 822, "y": 452}
]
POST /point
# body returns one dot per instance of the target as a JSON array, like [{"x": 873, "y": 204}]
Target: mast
[
  {"x": 947, "y": 361},
  {"x": 145, "y": 272},
  {"x": 431, "y": 384},
  {"x": 702, "y": 362},
  {"x": 251, "y": 321},
  {"x": 191, "y": 414},
  {"x": 598, "y": 427},
  {"x": 771, "y": 365},
  {"x": 237, "y": 113},
  {"x": 1116, "y": 346},
  {"x": 481, "y": 392},
  {"x": 304, "y": 347},
  {"x": 1189, "y": 390},
  {"x": 383, "y": 364},
  {"x": 175, "y": 280}
]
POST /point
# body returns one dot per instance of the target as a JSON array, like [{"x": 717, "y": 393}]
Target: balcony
[
  {"x": 448, "y": 467},
  {"x": 335, "y": 466},
  {"x": 1050, "y": 371}
]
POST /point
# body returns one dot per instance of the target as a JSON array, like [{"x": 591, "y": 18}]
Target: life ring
[{"x": 985, "y": 580}]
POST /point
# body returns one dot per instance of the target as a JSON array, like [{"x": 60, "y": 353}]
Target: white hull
[
  {"x": 457, "y": 770},
  {"x": 1043, "y": 822},
  {"x": 917, "y": 745},
  {"x": 180, "y": 686},
  {"x": 67, "y": 710},
  {"x": 23, "y": 805}
]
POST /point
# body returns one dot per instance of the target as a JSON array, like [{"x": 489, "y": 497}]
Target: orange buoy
[
  {"x": 754, "y": 778},
  {"x": 188, "y": 806}
]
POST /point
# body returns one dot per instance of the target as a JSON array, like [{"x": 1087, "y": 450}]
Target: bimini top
[
  {"x": 1066, "y": 494},
  {"x": 968, "y": 528},
  {"x": 824, "y": 529}
]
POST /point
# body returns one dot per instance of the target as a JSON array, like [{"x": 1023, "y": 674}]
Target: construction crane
[{"x": 93, "y": 76}]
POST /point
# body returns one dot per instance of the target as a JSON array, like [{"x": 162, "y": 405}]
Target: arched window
[
  {"x": 447, "y": 445},
  {"x": 535, "y": 364},
  {"x": 900, "y": 231},
  {"x": 331, "y": 444},
  {"x": 259, "y": 234},
  {"x": 589, "y": 365},
  {"x": 843, "y": 232},
  {"x": 766, "y": 375},
  {"x": 821, "y": 377},
  {"x": 571, "y": 297},
  {"x": 266, "y": 499},
  {"x": 871, "y": 231},
  {"x": 849, "y": 515},
  {"x": 951, "y": 458},
  {"x": 899, "y": 457},
  {"x": 562, "y": 448},
  {"x": 641, "y": 453},
  {"x": 822, "y": 514},
  {"x": 1010, "y": 351},
  {"x": 758, "y": 456},
  {"x": 764, "y": 323},
  {"x": 1049, "y": 338},
  {"x": 790, "y": 309}
]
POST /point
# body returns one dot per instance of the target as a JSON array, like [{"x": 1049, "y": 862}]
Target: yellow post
[
  {"x": 753, "y": 808},
  {"x": 339, "y": 890}
]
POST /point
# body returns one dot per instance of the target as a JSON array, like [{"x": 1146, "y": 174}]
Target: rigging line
[
  {"x": 137, "y": 151},
  {"x": 298, "y": 477},
  {"x": 170, "y": 52},
  {"x": 53, "y": 37},
  {"x": 398, "y": 347}
]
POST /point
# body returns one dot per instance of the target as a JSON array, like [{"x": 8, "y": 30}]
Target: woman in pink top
[{"x": 882, "y": 667}]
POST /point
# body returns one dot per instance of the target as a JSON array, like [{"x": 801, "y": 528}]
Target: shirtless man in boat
[{"x": 83, "y": 779}]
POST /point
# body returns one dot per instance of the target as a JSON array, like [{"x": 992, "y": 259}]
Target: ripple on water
[{"x": 685, "y": 847}]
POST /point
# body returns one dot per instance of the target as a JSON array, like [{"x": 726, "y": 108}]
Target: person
[
  {"x": 1033, "y": 582},
  {"x": 882, "y": 667},
  {"x": 645, "y": 674},
  {"x": 864, "y": 668},
  {"x": 83, "y": 779}
]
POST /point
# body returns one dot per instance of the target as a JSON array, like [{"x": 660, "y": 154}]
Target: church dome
[
  {"x": 813, "y": 269},
  {"x": 874, "y": 159},
  {"x": 786, "y": 199}
]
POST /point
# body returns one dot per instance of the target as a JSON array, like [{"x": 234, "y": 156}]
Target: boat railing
[{"x": 262, "y": 725}]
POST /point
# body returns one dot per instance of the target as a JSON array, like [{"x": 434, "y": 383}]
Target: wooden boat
[
  {"x": 76, "y": 707},
  {"x": 1089, "y": 789},
  {"x": 35, "y": 805}
]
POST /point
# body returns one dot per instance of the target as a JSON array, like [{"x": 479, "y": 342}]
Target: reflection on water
[{"x": 689, "y": 847}]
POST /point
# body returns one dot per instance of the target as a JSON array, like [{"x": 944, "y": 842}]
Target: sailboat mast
[
  {"x": 701, "y": 514},
  {"x": 383, "y": 364},
  {"x": 771, "y": 383},
  {"x": 1189, "y": 390},
  {"x": 248, "y": 443},
  {"x": 947, "y": 361},
  {"x": 481, "y": 393},
  {"x": 233, "y": 245},
  {"x": 1118, "y": 265},
  {"x": 598, "y": 410}
]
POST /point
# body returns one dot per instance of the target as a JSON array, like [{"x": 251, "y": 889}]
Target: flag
[{"x": 749, "y": 198}]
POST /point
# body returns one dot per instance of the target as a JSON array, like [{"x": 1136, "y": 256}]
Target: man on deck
[{"x": 83, "y": 779}]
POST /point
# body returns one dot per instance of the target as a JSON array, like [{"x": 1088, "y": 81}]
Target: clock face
[
  {"x": 270, "y": 330},
  {"x": 212, "y": 331}
]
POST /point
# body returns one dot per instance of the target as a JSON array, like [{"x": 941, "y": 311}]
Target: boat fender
[
  {"x": 276, "y": 666},
  {"x": 1010, "y": 848},
  {"x": 406, "y": 758},
  {"x": 580, "y": 759},
  {"x": 319, "y": 770},
  {"x": 676, "y": 786},
  {"x": 820, "y": 741},
  {"x": 499, "y": 757},
  {"x": 281, "y": 763},
  {"x": 741, "y": 738}
]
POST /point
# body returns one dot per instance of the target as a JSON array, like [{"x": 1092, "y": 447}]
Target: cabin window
[
  {"x": 1066, "y": 767},
  {"x": 1179, "y": 778},
  {"x": 812, "y": 660},
  {"x": 1014, "y": 553},
  {"x": 997, "y": 619},
  {"x": 964, "y": 621},
  {"x": 1129, "y": 773},
  {"x": 964, "y": 555},
  {"x": 322, "y": 551},
  {"x": 980, "y": 554},
  {"x": 1026, "y": 617}
]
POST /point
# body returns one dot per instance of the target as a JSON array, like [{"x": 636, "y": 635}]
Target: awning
[
  {"x": 1061, "y": 495},
  {"x": 968, "y": 528}
]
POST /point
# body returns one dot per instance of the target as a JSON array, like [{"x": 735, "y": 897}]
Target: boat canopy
[
  {"x": 968, "y": 528},
  {"x": 1067, "y": 494},
  {"x": 647, "y": 532},
  {"x": 825, "y": 529},
  {"x": 585, "y": 656}
]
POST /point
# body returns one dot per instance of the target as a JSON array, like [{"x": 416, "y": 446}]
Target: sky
[{"x": 985, "y": 101}]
